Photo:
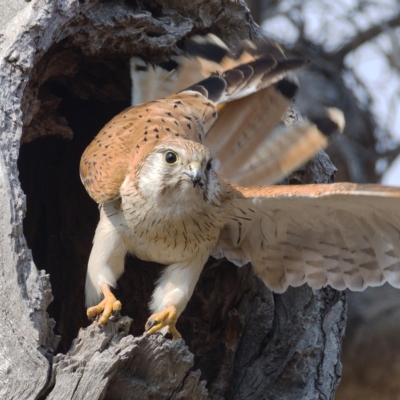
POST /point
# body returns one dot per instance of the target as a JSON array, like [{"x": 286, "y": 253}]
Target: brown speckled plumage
[
  {"x": 162, "y": 200},
  {"x": 132, "y": 134}
]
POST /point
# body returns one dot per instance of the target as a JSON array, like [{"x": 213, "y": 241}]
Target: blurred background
[{"x": 354, "y": 46}]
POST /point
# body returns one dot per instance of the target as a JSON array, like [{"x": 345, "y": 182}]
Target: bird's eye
[
  {"x": 171, "y": 157},
  {"x": 208, "y": 166}
]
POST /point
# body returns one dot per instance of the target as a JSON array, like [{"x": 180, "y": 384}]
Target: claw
[
  {"x": 167, "y": 317},
  {"x": 151, "y": 324},
  {"x": 106, "y": 306}
]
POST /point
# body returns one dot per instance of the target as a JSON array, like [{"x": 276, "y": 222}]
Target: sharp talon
[
  {"x": 167, "y": 317},
  {"x": 105, "y": 307},
  {"x": 151, "y": 324}
]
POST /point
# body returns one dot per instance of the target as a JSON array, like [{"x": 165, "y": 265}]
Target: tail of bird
[{"x": 253, "y": 93}]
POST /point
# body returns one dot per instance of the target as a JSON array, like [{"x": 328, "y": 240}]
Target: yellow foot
[
  {"x": 167, "y": 317},
  {"x": 107, "y": 306}
]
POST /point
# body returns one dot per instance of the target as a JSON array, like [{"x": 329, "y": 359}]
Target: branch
[
  {"x": 100, "y": 358},
  {"x": 391, "y": 155},
  {"x": 365, "y": 36}
]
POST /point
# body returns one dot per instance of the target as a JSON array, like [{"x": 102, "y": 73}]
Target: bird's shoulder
[{"x": 134, "y": 133}]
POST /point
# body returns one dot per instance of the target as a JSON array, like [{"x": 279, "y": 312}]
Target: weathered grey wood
[
  {"x": 106, "y": 362},
  {"x": 316, "y": 340},
  {"x": 58, "y": 58},
  {"x": 23, "y": 301},
  {"x": 26, "y": 338}
]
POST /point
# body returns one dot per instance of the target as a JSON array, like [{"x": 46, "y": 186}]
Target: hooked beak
[{"x": 195, "y": 174}]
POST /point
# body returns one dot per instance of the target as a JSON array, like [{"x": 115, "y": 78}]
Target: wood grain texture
[{"x": 106, "y": 362}]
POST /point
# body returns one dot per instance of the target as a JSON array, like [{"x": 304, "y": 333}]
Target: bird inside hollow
[{"x": 162, "y": 196}]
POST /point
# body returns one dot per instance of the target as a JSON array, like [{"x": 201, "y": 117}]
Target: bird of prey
[{"x": 159, "y": 171}]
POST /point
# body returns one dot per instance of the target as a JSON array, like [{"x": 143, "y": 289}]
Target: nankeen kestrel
[{"x": 161, "y": 197}]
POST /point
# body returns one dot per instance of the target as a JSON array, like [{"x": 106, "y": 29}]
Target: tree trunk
[{"x": 63, "y": 75}]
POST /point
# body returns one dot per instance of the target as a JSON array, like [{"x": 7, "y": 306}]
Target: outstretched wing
[
  {"x": 246, "y": 146},
  {"x": 133, "y": 133},
  {"x": 255, "y": 65},
  {"x": 343, "y": 235}
]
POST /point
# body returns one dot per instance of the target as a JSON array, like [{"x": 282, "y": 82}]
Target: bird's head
[{"x": 178, "y": 171}]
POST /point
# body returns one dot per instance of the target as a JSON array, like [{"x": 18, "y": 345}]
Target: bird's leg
[
  {"x": 167, "y": 317},
  {"x": 106, "y": 263},
  {"x": 172, "y": 293},
  {"x": 106, "y": 306}
]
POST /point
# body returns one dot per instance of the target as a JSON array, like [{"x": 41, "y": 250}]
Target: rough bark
[
  {"x": 63, "y": 74},
  {"x": 371, "y": 354}
]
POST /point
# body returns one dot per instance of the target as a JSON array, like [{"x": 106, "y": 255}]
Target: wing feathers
[
  {"x": 256, "y": 151},
  {"x": 344, "y": 235},
  {"x": 253, "y": 67},
  {"x": 209, "y": 68},
  {"x": 248, "y": 123},
  {"x": 252, "y": 77},
  {"x": 283, "y": 152}
]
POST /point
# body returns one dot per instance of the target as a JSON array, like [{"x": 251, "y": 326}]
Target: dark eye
[
  {"x": 208, "y": 166},
  {"x": 171, "y": 157}
]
